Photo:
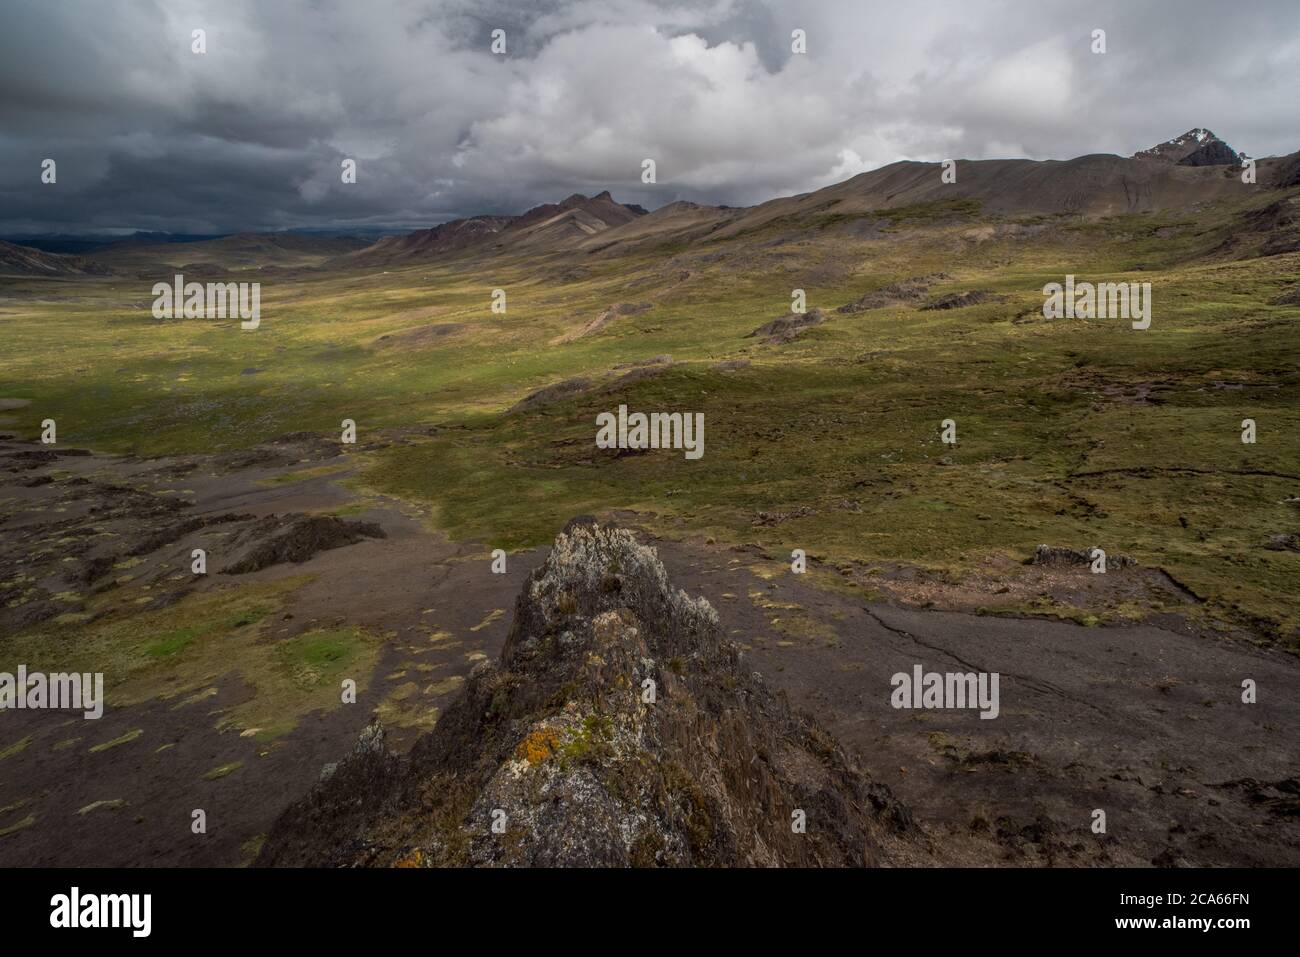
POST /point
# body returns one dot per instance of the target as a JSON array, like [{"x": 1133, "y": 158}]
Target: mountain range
[{"x": 1184, "y": 173}]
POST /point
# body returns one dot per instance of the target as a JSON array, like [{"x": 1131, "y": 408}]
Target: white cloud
[{"x": 250, "y": 135}]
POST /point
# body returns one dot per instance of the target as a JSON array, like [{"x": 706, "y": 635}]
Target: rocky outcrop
[
  {"x": 789, "y": 327},
  {"x": 619, "y": 728},
  {"x": 1283, "y": 542},
  {"x": 276, "y": 539},
  {"x": 960, "y": 300},
  {"x": 1056, "y": 555},
  {"x": 895, "y": 294}
]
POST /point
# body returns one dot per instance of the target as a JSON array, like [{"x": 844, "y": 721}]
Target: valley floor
[
  {"x": 223, "y": 688},
  {"x": 1171, "y": 447}
]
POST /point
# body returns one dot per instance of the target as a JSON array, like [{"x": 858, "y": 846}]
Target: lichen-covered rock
[{"x": 620, "y": 728}]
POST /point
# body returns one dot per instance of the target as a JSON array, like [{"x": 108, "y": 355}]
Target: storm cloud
[{"x": 251, "y": 134}]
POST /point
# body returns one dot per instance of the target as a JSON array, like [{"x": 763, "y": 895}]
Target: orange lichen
[
  {"x": 413, "y": 859},
  {"x": 539, "y": 745}
]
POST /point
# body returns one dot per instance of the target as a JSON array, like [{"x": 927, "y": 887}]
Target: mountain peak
[
  {"x": 577, "y": 199},
  {"x": 1196, "y": 147}
]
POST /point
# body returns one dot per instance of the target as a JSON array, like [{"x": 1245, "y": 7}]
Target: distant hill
[
  {"x": 18, "y": 260},
  {"x": 573, "y": 220},
  {"x": 454, "y": 235},
  {"x": 549, "y": 226},
  {"x": 240, "y": 251},
  {"x": 1182, "y": 173},
  {"x": 77, "y": 244}
]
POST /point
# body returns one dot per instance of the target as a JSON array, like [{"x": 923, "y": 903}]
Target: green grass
[
  {"x": 175, "y": 640},
  {"x": 1050, "y": 450},
  {"x": 180, "y": 653},
  {"x": 318, "y": 656}
]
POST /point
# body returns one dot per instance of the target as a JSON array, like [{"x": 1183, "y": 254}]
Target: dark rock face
[
  {"x": 1198, "y": 147},
  {"x": 171, "y": 533},
  {"x": 1055, "y": 555},
  {"x": 1212, "y": 153},
  {"x": 564, "y": 746},
  {"x": 295, "y": 538}
]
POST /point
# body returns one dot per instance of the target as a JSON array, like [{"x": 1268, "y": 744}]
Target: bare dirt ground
[{"x": 1143, "y": 722}]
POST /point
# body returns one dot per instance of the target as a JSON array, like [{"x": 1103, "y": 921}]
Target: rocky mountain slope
[
  {"x": 1198, "y": 147},
  {"x": 1181, "y": 174},
  {"x": 619, "y": 728},
  {"x": 549, "y": 226},
  {"x": 446, "y": 237},
  {"x": 1175, "y": 176}
]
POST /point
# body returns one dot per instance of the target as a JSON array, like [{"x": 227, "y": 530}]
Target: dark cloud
[{"x": 148, "y": 135}]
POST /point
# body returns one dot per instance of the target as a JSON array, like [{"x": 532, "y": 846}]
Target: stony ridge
[{"x": 560, "y": 742}]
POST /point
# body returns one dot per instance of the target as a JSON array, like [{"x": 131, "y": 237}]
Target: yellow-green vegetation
[
  {"x": 110, "y": 804},
  {"x": 1071, "y": 432},
  {"x": 11, "y": 749},
  {"x": 300, "y": 475},
  {"x": 222, "y": 770},
  {"x": 252, "y": 847},
  {"x": 589, "y": 741},
  {"x": 492, "y": 616},
  {"x": 181, "y": 654},
  {"x": 586, "y": 741},
  {"x": 806, "y": 628},
  {"x": 126, "y": 738},
  {"x": 174, "y": 641},
  {"x": 28, "y": 821}
]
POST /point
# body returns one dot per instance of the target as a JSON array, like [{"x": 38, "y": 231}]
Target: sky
[{"x": 250, "y": 135}]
